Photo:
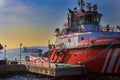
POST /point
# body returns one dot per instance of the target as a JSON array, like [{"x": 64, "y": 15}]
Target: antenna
[
  {"x": 94, "y": 7},
  {"x": 81, "y": 4},
  {"x": 88, "y": 6}
]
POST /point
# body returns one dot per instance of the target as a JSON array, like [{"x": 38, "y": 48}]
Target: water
[
  {"x": 41, "y": 77},
  {"x": 37, "y": 77},
  {"x": 31, "y": 76},
  {"x": 11, "y": 54},
  {"x": 26, "y": 77}
]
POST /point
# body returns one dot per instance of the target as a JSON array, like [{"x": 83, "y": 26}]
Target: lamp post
[
  {"x": 5, "y": 52},
  {"x": 49, "y": 53},
  {"x": 20, "y": 51}
]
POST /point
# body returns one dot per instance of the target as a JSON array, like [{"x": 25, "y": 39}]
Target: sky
[{"x": 32, "y": 22}]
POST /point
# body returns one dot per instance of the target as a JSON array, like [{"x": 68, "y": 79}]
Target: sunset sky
[{"x": 32, "y": 22}]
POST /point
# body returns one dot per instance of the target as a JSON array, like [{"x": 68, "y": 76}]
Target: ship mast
[{"x": 81, "y": 4}]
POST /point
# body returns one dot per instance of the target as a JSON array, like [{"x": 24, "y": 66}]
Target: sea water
[
  {"x": 36, "y": 77},
  {"x": 26, "y": 77}
]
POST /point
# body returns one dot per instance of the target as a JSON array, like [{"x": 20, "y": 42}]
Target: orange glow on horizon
[{"x": 12, "y": 37}]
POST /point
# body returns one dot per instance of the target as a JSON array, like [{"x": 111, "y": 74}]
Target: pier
[
  {"x": 58, "y": 71},
  {"x": 54, "y": 70},
  {"x": 12, "y": 68}
]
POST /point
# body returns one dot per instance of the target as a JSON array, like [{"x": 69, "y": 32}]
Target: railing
[{"x": 111, "y": 29}]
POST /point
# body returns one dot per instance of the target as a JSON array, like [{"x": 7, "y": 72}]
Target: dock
[
  {"x": 12, "y": 68},
  {"x": 54, "y": 70},
  {"x": 58, "y": 71}
]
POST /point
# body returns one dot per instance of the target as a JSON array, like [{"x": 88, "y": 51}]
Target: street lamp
[
  {"x": 5, "y": 52},
  {"x": 20, "y": 51},
  {"x": 49, "y": 53}
]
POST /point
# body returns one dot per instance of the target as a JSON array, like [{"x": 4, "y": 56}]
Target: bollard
[{"x": 42, "y": 63}]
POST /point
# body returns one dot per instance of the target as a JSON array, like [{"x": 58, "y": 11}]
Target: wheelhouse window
[
  {"x": 92, "y": 19},
  {"x": 81, "y": 20},
  {"x": 97, "y": 19},
  {"x": 89, "y": 18}
]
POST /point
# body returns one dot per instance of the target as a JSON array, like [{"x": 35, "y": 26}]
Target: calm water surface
[
  {"x": 35, "y": 77},
  {"x": 25, "y": 77}
]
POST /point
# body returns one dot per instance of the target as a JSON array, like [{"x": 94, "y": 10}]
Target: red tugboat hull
[{"x": 97, "y": 60}]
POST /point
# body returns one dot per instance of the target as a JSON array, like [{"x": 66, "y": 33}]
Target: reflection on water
[
  {"x": 41, "y": 77},
  {"x": 26, "y": 77},
  {"x": 37, "y": 77}
]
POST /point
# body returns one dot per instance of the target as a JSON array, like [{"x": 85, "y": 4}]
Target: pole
[
  {"x": 5, "y": 52},
  {"x": 49, "y": 52},
  {"x": 20, "y": 51}
]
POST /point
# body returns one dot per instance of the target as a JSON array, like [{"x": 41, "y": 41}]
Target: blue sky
[{"x": 32, "y": 22}]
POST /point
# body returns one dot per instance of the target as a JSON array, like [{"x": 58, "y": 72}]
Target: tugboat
[{"x": 84, "y": 41}]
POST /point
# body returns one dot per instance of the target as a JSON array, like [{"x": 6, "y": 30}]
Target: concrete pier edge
[{"x": 54, "y": 72}]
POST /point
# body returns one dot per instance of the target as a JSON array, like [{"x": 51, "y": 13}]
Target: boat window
[
  {"x": 69, "y": 40},
  {"x": 97, "y": 19},
  {"x": 88, "y": 19},
  {"x": 92, "y": 19},
  {"x": 81, "y": 20},
  {"x": 82, "y": 38}
]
